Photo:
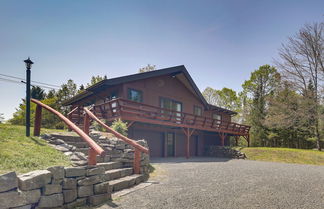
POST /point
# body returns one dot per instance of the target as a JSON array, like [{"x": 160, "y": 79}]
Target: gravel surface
[{"x": 221, "y": 183}]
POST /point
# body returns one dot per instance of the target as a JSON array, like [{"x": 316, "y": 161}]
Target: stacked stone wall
[{"x": 56, "y": 187}]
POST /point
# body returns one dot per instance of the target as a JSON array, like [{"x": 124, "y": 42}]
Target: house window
[
  {"x": 217, "y": 117},
  {"x": 114, "y": 95},
  {"x": 197, "y": 111},
  {"x": 170, "y": 104},
  {"x": 135, "y": 95}
]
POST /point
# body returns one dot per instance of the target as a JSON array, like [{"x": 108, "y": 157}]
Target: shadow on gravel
[{"x": 185, "y": 160}]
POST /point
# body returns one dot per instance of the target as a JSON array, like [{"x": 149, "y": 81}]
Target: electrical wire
[
  {"x": 10, "y": 76},
  {"x": 23, "y": 82}
]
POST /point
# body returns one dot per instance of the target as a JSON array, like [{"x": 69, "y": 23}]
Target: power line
[
  {"x": 10, "y": 76},
  {"x": 22, "y": 82}
]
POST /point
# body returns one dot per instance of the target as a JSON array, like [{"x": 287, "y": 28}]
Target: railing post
[
  {"x": 86, "y": 124},
  {"x": 137, "y": 161},
  {"x": 38, "y": 119},
  {"x": 92, "y": 157}
]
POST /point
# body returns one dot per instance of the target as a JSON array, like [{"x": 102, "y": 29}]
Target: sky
[{"x": 219, "y": 42}]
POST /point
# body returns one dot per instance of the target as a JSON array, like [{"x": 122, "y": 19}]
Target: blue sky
[{"x": 219, "y": 42}]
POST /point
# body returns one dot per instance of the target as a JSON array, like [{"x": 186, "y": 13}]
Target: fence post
[
  {"x": 92, "y": 157},
  {"x": 137, "y": 161},
  {"x": 38, "y": 119},
  {"x": 86, "y": 124}
]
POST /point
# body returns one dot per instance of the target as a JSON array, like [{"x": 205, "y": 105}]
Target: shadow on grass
[{"x": 34, "y": 139}]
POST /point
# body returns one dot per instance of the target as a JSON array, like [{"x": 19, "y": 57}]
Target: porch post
[
  {"x": 222, "y": 136},
  {"x": 187, "y": 144},
  {"x": 236, "y": 140}
]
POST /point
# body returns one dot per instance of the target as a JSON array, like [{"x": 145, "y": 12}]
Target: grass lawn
[
  {"x": 23, "y": 154},
  {"x": 286, "y": 155}
]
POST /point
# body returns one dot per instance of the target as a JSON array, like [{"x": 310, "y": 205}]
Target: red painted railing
[
  {"x": 94, "y": 148},
  {"x": 135, "y": 111},
  {"x": 138, "y": 148}
]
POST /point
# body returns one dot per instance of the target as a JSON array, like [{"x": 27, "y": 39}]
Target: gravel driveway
[{"x": 221, "y": 183}]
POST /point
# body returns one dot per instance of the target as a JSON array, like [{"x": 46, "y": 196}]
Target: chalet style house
[{"x": 165, "y": 107}]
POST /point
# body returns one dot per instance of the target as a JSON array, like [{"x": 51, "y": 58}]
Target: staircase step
[
  {"x": 118, "y": 173},
  {"x": 79, "y": 144},
  {"x": 83, "y": 150},
  {"x": 111, "y": 165},
  {"x": 126, "y": 182},
  {"x": 68, "y": 138}
]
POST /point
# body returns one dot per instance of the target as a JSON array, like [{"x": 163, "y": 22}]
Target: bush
[{"x": 120, "y": 127}]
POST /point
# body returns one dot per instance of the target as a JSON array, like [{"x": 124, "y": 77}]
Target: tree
[
  {"x": 67, "y": 91},
  {"x": 51, "y": 94},
  {"x": 95, "y": 79},
  {"x": 210, "y": 95},
  {"x": 259, "y": 88},
  {"x": 37, "y": 93},
  {"x": 302, "y": 64},
  {"x": 81, "y": 88},
  {"x": 147, "y": 68}
]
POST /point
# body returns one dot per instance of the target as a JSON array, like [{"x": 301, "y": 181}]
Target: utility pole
[{"x": 28, "y": 63}]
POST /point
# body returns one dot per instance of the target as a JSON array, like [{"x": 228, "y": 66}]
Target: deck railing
[
  {"x": 135, "y": 111},
  {"x": 94, "y": 148},
  {"x": 138, "y": 148}
]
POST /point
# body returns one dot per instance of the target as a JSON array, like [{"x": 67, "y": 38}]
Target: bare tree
[
  {"x": 301, "y": 63},
  {"x": 147, "y": 68}
]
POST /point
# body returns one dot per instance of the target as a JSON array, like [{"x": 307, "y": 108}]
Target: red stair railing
[
  {"x": 94, "y": 148},
  {"x": 138, "y": 148}
]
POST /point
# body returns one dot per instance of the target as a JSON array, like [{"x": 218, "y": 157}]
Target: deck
[{"x": 138, "y": 112}]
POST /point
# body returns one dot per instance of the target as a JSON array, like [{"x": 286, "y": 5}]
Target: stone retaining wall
[
  {"x": 56, "y": 187},
  {"x": 119, "y": 151},
  {"x": 228, "y": 152}
]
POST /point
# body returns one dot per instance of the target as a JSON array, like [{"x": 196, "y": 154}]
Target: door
[{"x": 170, "y": 144}]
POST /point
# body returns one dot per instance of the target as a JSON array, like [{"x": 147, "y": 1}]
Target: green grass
[
  {"x": 285, "y": 155},
  {"x": 23, "y": 154}
]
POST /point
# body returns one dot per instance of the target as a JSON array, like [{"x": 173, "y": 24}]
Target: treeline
[
  {"x": 283, "y": 103},
  {"x": 53, "y": 98}
]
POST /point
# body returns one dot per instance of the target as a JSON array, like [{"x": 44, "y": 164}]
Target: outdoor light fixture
[{"x": 28, "y": 63}]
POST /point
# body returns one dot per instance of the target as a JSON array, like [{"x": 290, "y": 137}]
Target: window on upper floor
[
  {"x": 197, "y": 110},
  {"x": 135, "y": 95},
  {"x": 217, "y": 117}
]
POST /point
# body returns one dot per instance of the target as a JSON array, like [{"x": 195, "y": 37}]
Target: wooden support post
[
  {"x": 222, "y": 136},
  {"x": 248, "y": 139},
  {"x": 188, "y": 144},
  {"x": 236, "y": 140},
  {"x": 137, "y": 161},
  {"x": 86, "y": 124},
  {"x": 188, "y": 134},
  {"x": 38, "y": 119},
  {"x": 92, "y": 157}
]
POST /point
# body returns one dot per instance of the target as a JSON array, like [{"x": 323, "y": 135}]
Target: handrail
[
  {"x": 169, "y": 110},
  {"x": 138, "y": 148},
  {"x": 94, "y": 147},
  {"x": 118, "y": 135}
]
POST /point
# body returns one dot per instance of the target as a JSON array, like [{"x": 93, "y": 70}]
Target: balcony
[{"x": 139, "y": 112}]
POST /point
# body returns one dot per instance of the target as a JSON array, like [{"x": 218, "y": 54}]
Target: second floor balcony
[{"x": 139, "y": 112}]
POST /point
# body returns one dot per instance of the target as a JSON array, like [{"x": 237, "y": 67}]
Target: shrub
[{"x": 120, "y": 127}]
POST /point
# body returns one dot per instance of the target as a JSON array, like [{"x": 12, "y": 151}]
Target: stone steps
[
  {"x": 126, "y": 182},
  {"x": 118, "y": 173}
]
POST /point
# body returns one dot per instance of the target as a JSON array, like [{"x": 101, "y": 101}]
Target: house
[{"x": 165, "y": 107}]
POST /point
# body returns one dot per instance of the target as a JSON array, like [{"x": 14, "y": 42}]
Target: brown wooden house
[{"x": 165, "y": 107}]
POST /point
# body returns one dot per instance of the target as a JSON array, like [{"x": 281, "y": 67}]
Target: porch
[{"x": 132, "y": 112}]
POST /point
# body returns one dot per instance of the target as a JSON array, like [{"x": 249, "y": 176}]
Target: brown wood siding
[{"x": 166, "y": 86}]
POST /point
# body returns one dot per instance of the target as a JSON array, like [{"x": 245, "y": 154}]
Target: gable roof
[{"x": 178, "y": 71}]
